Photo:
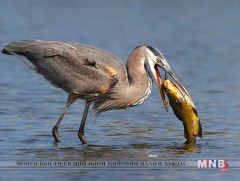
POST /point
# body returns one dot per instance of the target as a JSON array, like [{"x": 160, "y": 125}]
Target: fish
[
  {"x": 185, "y": 110},
  {"x": 160, "y": 88}
]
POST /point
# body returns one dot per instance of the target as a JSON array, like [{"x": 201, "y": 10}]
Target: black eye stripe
[
  {"x": 155, "y": 51},
  {"x": 137, "y": 47}
]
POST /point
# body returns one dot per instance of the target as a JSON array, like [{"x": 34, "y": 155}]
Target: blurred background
[{"x": 200, "y": 40}]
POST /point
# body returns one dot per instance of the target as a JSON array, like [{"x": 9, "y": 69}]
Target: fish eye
[{"x": 158, "y": 60}]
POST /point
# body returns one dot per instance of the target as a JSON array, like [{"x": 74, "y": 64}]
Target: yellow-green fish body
[{"x": 184, "y": 109}]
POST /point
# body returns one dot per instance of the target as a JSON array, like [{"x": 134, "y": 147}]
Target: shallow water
[{"x": 200, "y": 40}]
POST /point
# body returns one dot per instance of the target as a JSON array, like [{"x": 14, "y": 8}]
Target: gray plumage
[
  {"x": 92, "y": 74},
  {"x": 79, "y": 69}
]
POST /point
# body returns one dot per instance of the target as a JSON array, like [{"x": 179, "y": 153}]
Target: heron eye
[{"x": 158, "y": 60}]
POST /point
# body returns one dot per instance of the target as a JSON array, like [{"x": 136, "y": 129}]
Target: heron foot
[
  {"x": 82, "y": 138},
  {"x": 55, "y": 134}
]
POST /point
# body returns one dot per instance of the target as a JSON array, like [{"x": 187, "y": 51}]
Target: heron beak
[
  {"x": 166, "y": 67},
  {"x": 159, "y": 84}
]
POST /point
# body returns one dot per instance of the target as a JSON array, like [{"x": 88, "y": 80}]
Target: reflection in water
[
  {"x": 191, "y": 148},
  {"x": 185, "y": 148},
  {"x": 96, "y": 152}
]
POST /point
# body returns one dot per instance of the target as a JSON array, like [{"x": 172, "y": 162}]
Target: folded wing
[{"x": 72, "y": 67}]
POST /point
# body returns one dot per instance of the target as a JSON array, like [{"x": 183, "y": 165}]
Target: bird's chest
[{"x": 145, "y": 94}]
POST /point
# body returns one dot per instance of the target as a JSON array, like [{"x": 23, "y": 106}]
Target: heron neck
[
  {"x": 140, "y": 82},
  {"x": 132, "y": 89}
]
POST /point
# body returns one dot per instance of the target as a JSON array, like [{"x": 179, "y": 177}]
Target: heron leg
[
  {"x": 71, "y": 99},
  {"x": 81, "y": 135}
]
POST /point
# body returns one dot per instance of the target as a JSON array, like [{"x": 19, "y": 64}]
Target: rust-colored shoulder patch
[
  {"x": 110, "y": 71},
  {"x": 104, "y": 89}
]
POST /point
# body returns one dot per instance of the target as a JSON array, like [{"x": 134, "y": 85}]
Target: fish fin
[
  {"x": 165, "y": 104},
  {"x": 195, "y": 111},
  {"x": 185, "y": 134},
  {"x": 185, "y": 131},
  {"x": 200, "y": 129},
  {"x": 199, "y": 123}
]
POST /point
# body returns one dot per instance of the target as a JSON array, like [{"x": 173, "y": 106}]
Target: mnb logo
[{"x": 222, "y": 164}]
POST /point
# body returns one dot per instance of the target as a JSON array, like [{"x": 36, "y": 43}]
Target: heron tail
[{"x": 19, "y": 49}]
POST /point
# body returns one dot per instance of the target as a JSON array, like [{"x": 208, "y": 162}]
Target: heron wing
[{"x": 76, "y": 68}]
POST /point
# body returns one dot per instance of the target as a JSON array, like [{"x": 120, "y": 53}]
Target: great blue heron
[{"x": 92, "y": 74}]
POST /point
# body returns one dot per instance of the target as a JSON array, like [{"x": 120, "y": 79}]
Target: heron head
[{"x": 155, "y": 59}]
